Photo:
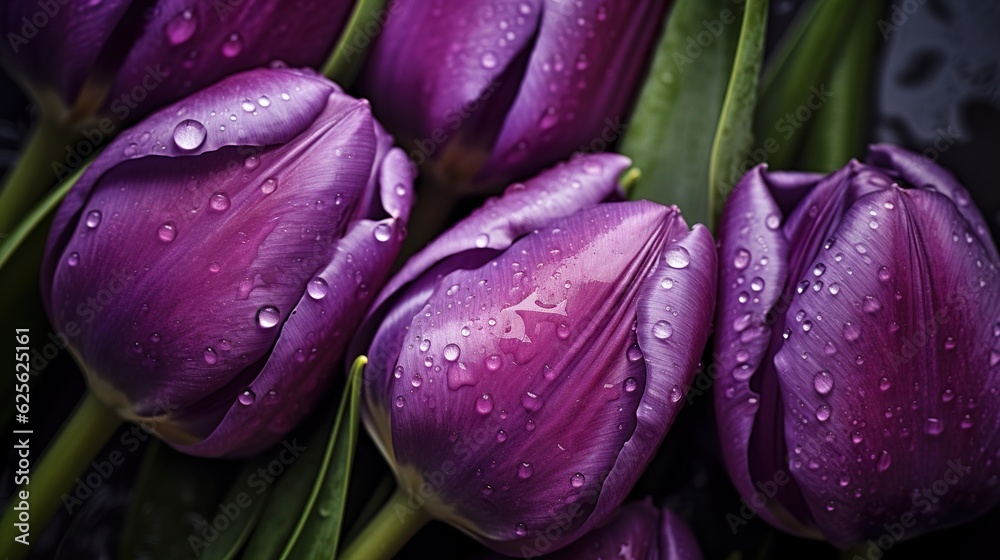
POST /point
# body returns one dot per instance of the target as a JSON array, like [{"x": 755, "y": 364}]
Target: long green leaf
[
  {"x": 349, "y": 55},
  {"x": 794, "y": 88},
  {"x": 669, "y": 137},
  {"x": 297, "y": 492},
  {"x": 838, "y": 131},
  {"x": 321, "y": 531},
  {"x": 734, "y": 135}
]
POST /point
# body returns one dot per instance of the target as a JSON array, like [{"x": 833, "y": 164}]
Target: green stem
[
  {"x": 349, "y": 54},
  {"x": 393, "y": 526},
  {"x": 76, "y": 444},
  {"x": 34, "y": 172}
]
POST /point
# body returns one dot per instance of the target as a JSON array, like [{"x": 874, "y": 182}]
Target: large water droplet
[
  {"x": 452, "y": 352},
  {"x": 871, "y": 305},
  {"x": 634, "y": 353},
  {"x": 189, "y": 134},
  {"x": 400, "y": 401},
  {"x": 884, "y": 461},
  {"x": 823, "y": 382},
  {"x": 232, "y": 46},
  {"x": 493, "y": 362},
  {"x": 268, "y": 316},
  {"x": 317, "y": 288},
  {"x": 73, "y": 259},
  {"x": 823, "y": 413},
  {"x": 772, "y": 221},
  {"x": 219, "y": 202},
  {"x": 247, "y": 397},
  {"x": 484, "y": 404},
  {"x": 524, "y": 470},
  {"x": 577, "y": 480},
  {"x": 742, "y": 258},
  {"x": 662, "y": 330},
  {"x": 167, "y": 232},
  {"x": 520, "y": 530},
  {"x": 757, "y": 284},
  {"x": 934, "y": 426},
  {"x": 677, "y": 257},
  {"x": 851, "y": 332},
  {"x": 181, "y": 27},
  {"x": 93, "y": 219},
  {"x": 383, "y": 232},
  {"x": 269, "y": 185},
  {"x": 247, "y": 105},
  {"x": 630, "y": 384},
  {"x": 531, "y": 402},
  {"x": 489, "y": 60}
]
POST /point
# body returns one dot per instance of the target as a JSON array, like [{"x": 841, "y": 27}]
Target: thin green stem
[
  {"x": 366, "y": 21},
  {"x": 390, "y": 529},
  {"x": 78, "y": 441},
  {"x": 35, "y": 170}
]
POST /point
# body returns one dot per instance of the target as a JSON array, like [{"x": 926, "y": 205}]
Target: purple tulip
[
  {"x": 143, "y": 55},
  {"x": 858, "y": 349},
  {"x": 209, "y": 266},
  {"x": 529, "y": 361},
  {"x": 496, "y": 91},
  {"x": 640, "y": 531}
]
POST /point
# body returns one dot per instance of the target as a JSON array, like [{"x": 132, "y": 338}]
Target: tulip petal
[
  {"x": 554, "y": 193},
  {"x": 212, "y": 108},
  {"x": 753, "y": 261},
  {"x": 566, "y": 101},
  {"x": 46, "y": 47},
  {"x": 677, "y": 542},
  {"x": 244, "y": 258},
  {"x": 297, "y": 365},
  {"x": 674, "y": 311},
  {"x": 470, "y": 46},
  {"x": 186, "y": 46},
  {"x": 921, "y": 172},
  {"x": 907, "y": 290},
  {"x": 481, "y": 399}
]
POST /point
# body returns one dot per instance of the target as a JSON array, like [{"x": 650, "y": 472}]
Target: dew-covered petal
[
  {"x": 186, "y": 46},
  {"x": 443, "y": 71},
  {"x": 753, "y": 269},
  {"x": 500, "y": 355},
  {"x": 894, "y": 383},
  {"x": 300, "y": 366},
  {"x": 202, "y": 126},
  {"x": 582, "y": 72},
  {"x": 214, "y": 237}
]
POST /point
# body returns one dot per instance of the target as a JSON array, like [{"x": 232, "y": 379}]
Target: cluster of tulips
[{"x": 525, "y": 365}]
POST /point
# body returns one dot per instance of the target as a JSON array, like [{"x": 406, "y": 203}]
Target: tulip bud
[
  {"x": 143, "y": 57},
  {"x": 529, "y": 361},
  {"x": 209, "y": 266},
  {"x": 492, "y": 93},
  {"x": 858, "y": 350},
  {"x": 640, "y": 531}
]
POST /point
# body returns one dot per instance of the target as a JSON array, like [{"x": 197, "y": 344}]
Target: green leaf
[
  {"x": 173, "y": 498},
  {"x": 734, "y": 135},
  {"x": 351, "y": 51},
  {"x": 837, "y": 133},
  {"x": 669, "y": 136},
  {"x": 309, "y": 497},
  {"x": 321, "y": 531},
  {"x": 798, "y": 74}
]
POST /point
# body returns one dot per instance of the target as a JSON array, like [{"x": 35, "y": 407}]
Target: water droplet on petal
[
  {"x": 772, "y": 221},
  {"x": 452, "y": 352},
  {"x": 530, "y": 401},
  {"x": 317, "y": 288},
  {"x": 268, "y": 316},
  {"x": 757, "y": 284},
  {"x": 677, "y": 257},
  {"x": 634, "y": 353},
  {"x": 489, "y": 60},
  {"x": 210, "y": 356},
  {"x": 181, "y": 27},
  {"x": 189, "y": 134},
  {"x": 232, "y": 46},
  {"x": 247, "y": 397},
  {"x": 493, "y": 362},
  {"x": 871, "y": 305},
  {"x": 482, "y": 240},
  {"x": 667, "y": 283},
  {"x": 577, "y": 480},
  {"x": 219, "y": 202},
  {"x": 630, "y": 384},
  {"x": 823, "y": 382},
  {"x": 823, "y": 413},
  {"x": 742, "y": 258},
  {"x": 520, "y": 530},
  {"x": 248, "y": 105},
  {"x": 93, "y": 219},
  {"x": 851, "y": 332},
  {"x": 934, "y": 426},
  {"x": 884, "y": 461},
  {"x": 264, "y": 101},
  {"x": 167, "y": 232},
  {"x": 484, "y": 404},
  {"x": 662, "y": 330},
  {"x": 400, "y": 401},
  {"x": 383, "y": 232},
  {"x": 74, "y": 259},
  {"x": 524, "y": 470}
]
